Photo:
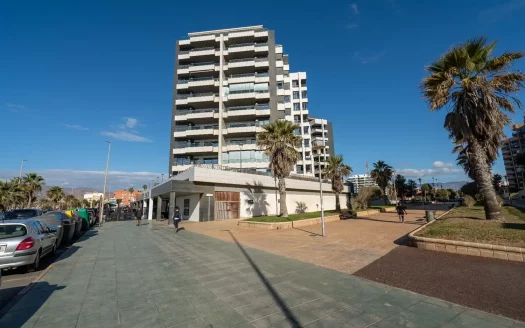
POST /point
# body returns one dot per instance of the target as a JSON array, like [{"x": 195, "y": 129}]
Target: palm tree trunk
[
  {"x": 483, "y": 178},
  {"x": 30, "y": 197},
  {"x": 385, "y": 197},
  {"x": 282, "y": 194},
  {"x": 337, "y": 202}
]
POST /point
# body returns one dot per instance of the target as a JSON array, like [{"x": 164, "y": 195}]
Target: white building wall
[{"x": 194, "y": 206}]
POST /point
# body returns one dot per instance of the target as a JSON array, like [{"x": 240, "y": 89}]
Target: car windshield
[
  {"x": 12, "y": 231},
  {"x": 24, "y": 213}
]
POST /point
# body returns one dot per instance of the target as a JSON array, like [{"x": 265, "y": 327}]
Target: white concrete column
[
  {"x": 221, "y": 100},
  {"x": 150, "y": 208}
]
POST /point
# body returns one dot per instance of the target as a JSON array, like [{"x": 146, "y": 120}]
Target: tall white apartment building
[
  {"x": 360, "y": 180},
  {"x": 229, "y": 83}
]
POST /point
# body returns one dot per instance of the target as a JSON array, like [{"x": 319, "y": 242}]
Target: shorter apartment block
[
  {"x": 359, "y": 181},
  {"x": 512, "y": 146}
]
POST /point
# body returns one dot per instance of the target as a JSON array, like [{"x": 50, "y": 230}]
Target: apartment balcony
[
  {"x": 238, "y": 111},
  {"x": 201, "y": 38},
  {"x": 180, "y": 168},
  {"x": 196, "y": 130},
  {"x": 196, "y": 114},
  {"x": 197, "y": 52},
  {"x": 245, "y": 128},
  {"x": 195, "y": 148},
  {"x": 319, "y": 139},
  {"x": 237, "y": 146},
  {"x": 278, "y": 49},
  {"x": 205, "y": 81},
  {"x": 247, "y": 47},
  {"x": 281, "y": 106},
  {"x": 248, "y": 78},
  {"x": 247, "y": 62},
  {"x": 184, "y": 99},
  {"x": 247, "y": 94},
  {"x": 197, "y": 67}
]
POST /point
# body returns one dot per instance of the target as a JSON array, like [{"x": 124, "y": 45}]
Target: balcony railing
[
  {"x": 197, "y": 64},
  {"x": 195, "y": 111},
  {"x": 193, "y": 95},
  {"x": 257, "y": 59},
  {"x": 181, "y": 128},
  {"x": 256, "y": 107},
  {"x": 196, "y": 79},
  {"x": 250, "y": 75},
  {"x": 241, "y": 142},
  {"x": 257, "y": 44},
  {"x": 203, "y": 49},
  {"x": 248, "y": 124},
  {"x": 247, "y": 91},
  {"x": 196, "y": 144}
]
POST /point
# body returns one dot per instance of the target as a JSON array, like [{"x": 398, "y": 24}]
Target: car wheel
[
  {"x": 54, "y": 250},
  {"x": 36, "y": 264}
]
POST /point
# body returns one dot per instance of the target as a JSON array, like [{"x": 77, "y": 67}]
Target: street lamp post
[
  {"x": 395, "y": 189},
  {"x": 104, "y": 192},
  {"x": 318, "y": 148}
]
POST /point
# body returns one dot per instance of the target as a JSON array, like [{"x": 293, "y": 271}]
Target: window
[
  {"x": 13, "y": 231},
  {"x": 304, "y": 94},
  {"x": 299, "y": 169},
  {"x": 297, "y": 119},
  {"x": 186, "y": 211},
  {"x": 37, "y": 228},
  {"x": 287, "y": 99},
  {"x": 307, "y": 142},
  {"x": 306, "y": 129},
  {"x": 296, "y": 106},
  {"x": 296, "y": 95},
  {"x": 211, "y": 161},
  {"x": 303, "y": 82},
  {"x": 305, "y": 106},
  {"x": 279, "y": 85},
  {"x": 295, "y": 83},
  {"x": 297, "y": 132}
]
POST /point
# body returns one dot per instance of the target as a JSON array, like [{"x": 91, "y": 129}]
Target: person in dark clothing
[
  {"x": 138, "y": 215},
  {"x": 177, "y": 218},
  {"x": 401, "y": 211}
]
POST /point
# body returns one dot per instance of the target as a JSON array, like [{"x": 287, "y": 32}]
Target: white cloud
[
  {"x": 76, "y": 127},
  {"x": 125, "y": 136},
  {"x": 90, "y": 179},
  {"x": 429, "y": 172},
  {"x": 15, "y": 107},
  {"x": 353, "y": 7},
  {"x": 131, "y": 122},
  {"x": 440, "y": 164}
]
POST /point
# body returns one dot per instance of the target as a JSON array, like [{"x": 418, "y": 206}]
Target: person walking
[
  {"x": 177, "y": 218},
  {"x": 401, "y": 211},
  {"x": 138, "y": 215}
]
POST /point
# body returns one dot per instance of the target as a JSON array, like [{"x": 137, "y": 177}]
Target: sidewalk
[{"x": 128, "y": 276}]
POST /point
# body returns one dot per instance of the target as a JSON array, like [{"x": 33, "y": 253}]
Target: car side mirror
[{"x": 51, "y": 230}]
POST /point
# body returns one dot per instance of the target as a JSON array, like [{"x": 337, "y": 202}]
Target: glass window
[
  {"x": 304, "y": 94},
  {"x": 303, "y": 82},
  {"x": 280, "y": 85},
  {"x": 297, "y": 132},
  {"x": 299, "y": 168},
  {"x": 37, "y": 227},
  {"x": 296, "y": 95},
  {"x": 12, "y": 231},
  {"x": 287, "y": 99},
  {"x": 295, "y": 83},
  {"x": 307, "y": 142},
  {"x": 211, "y": 161},
  {"x": 306, "y": 129},
  {"x": 305, "y": 106},
  {"x": 296, "y": 106},
  {"x": 186, "y": 207},
  {"x": 297, "y": 119}
]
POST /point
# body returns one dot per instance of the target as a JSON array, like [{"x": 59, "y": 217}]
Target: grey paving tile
[
  {"x": 132, "y": 314},
  {"x": 241, "y": 299},
  {"x": 379, "y": 306},
  {"x": 102, "y": 320},
  {"x": 196, "y": 323},
  {"x": 257, "y": 310},
  {"x": 432, "y": 311},
  {"x": 154, "y": 321},
  {"x": 465, "y": 320},
  {"x": 409, "y": 320},
  {"x": 454, "y": 307},
  {"x": 63, "y": 321},
  {"x": 352, "y": 317},
  {"x": 22, "y": 318},
  {"x": 490, "y": 317},
  {"x": 178, "y": 316},
  {"x": 225, "y": 319}
]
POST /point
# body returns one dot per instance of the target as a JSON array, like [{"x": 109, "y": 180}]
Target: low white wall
[
  {"x": 264, "y": 202},
  {"x": 194, "y": 206}
]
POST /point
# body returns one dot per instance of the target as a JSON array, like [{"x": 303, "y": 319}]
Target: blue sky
[{"x": 74, "y": 74}]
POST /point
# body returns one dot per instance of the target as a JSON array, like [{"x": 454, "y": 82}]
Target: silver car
[{"x": 25, "y": 242}]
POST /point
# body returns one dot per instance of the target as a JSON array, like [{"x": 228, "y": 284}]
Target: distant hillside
[
  {"x": 453, "y": 185},
  {"x": 77, "y": 191}
]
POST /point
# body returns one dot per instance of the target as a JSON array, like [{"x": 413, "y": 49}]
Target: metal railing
[
  {"x": 232, "y": 92},
  {"x": 247, "y": 124},
  {"x": 196, "y": 64},
  {"x": 241, "y": 142},
  {"x": 193, "y": 95},
  {"x": 256, "y": 107},
  {"x": 196, "y": 144},
  {"x": 203, "y": 49},
  {"x": 249, "y": 75},
  {"x": 195, "y": 111},
  {"x": 180, "y": 128}
]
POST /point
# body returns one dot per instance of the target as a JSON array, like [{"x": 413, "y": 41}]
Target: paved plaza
[{"x": 148, "y": 276}]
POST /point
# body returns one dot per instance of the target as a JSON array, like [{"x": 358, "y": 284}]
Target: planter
[{"x": 464, "y": 247}]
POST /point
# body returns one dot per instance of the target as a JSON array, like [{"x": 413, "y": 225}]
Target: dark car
[
  {"x": 25, "y": 213},
  {"x": 68, "y": 224}
]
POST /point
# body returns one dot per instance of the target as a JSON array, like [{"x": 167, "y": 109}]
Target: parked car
[
  {"x": 54, "y": 222},
  {"x": 25, "y": 213},
  {"x": 68, "y": 224},
  {"x": 8, "y": 216},
  {"x": 24, "y": 242}
]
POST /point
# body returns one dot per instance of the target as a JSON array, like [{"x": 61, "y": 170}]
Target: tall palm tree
[
  {"x": 55, "y": 194},
  {"x": 32, "y": 184},
  {"x": 279, "y": 143},
  {"x": 335, "y": 171},
  {"x": 144, "y": 187},
  {"x": 382, "y": 173},
  {"x": 478, "y": 90},
  {"x": 131, "y": 190}
]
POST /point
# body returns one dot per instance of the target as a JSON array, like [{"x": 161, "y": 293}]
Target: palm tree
[
  {"x": 11, "y": 194},
  {"x": 478, "y": 89},
  {"x": 382, "y": 173},
  {"x": 335, "y": 171},
  {"x": 55, "y": 194},
  {"x": 32, "y": 184},
  {"x": 145, "y": 187},
  {"x": 279, "y": 143},
  {"x": 70, "y": 201},
  {"x": 131, "y": 199}
]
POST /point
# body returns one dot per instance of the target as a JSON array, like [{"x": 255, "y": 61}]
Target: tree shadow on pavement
[
  {"x": 290, "y": 317},
  {"x": 24, "y": 307},
  {"x": 312, "y": 234}
]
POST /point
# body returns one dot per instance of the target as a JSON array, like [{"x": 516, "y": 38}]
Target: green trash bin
[{"x": 82, "y": 212}]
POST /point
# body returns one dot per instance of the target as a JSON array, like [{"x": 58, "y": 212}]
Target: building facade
[
  {"x": 126, "y": 197},
  {"x": 512, "y": 146},
  {"x": 93, "y": 196},
  {"x": 360, "y": 180},
  {"x": 228, "y": 84}
]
